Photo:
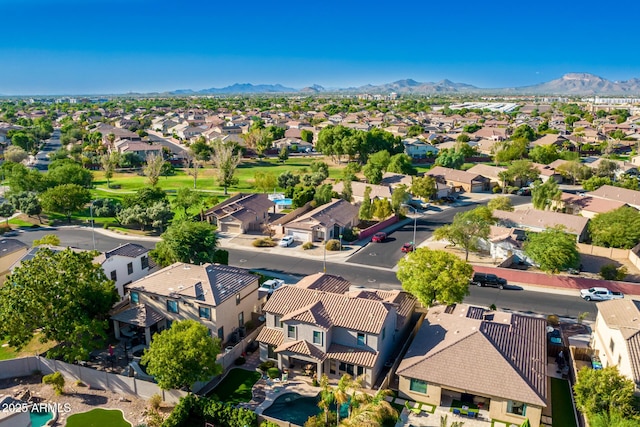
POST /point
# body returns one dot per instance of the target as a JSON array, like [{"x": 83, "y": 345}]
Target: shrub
[
  {"x": 56, "y": 380},
  {"x": 265, "y": 366},
  {"x": 79, "y": 383},
  {"x": 307, "y": 245},
  {"x": 497, "y": 189},
  {"x": 553, "y": 320},
  {"x": 264, "y": 242},
  {"x": 611, "y": 272},
  {"x": 155, "y": 401},
  {"x": 349, "y": 235},
  {"x": 333, "y": 245},
  {"x": 239, "y": 361},
  {"x": 273, "y": 373}
]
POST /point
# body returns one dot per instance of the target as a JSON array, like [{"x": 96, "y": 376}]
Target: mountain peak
[{"x": 582, "y": 76}]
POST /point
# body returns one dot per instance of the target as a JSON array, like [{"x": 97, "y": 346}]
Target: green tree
[
  {"x": 301, "y": 195},
  {"x": 182, "y": 355},
  {"x": 467, "y": 229},
  {"x": 225, "y": 160},
  {"x": 145, "y": 197},
  {"x": 381, "y": 159},
  {"x": 619, "y": 228},
  {"x": 200, "y": 150},
  {"x": 463, "y": 137},
  {"x": 188, "y": 242},
  {"x": 544, "y": 194},
  {"x": 288, "y": 180},
  {"x": 326, "y": 397},
  {"x": 56, "y": 380},
  {"x": 574, "y": 170},
  {"x": 366, "y": 209},
  {"x": 6, "y": 210},
  {"x": 507, "y": 151},
  {"x": 186, "y": 198},
  {"x": 64, "y": 296},
  {"x": 524, "y": 132},
  {"x": 65, "y": 199},
  {"x": 553, "y": 250},
  {"x": 153, "y": 168},
  {"x": 306, "y": 135},
  {"x": 373, "y": 173},
  {"x": 519, "y": 172},
  {"x": 347, "y": 190},
  {"x": 435, "y": 276},
  {"x": 382, "y": 209},
  {"x": 69, "y": 173},
  {"x": 501, "y": 203},
  {"x": 424, "y": 187},
  {"x": 399, "y": 197},
  {"x": 15, "y": 154},
  {"x": 26, "y": 202},
  {"x": 323, "y": 194},
  {"x": 264, "y": 181},
  {"x": 401, "y": 163},
  {"x": 603, "y": 391},
  {"x": 450, "y": 159},
  {"x": 109, "y": 163},
  {"x": 259, "y": 140},
  {"x": 283, "y": 155},
  {"x": 47, "y": 239},
  {"x": 595, "y": 182},
  {"x": 544, "y": 154},
  {"x": 156, "y": 215},
  {"x": 606, "y": 168}
]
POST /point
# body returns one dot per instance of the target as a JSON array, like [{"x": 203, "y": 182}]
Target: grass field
[
  {"x": 236, "y": 386},
  {"x": 35, "y": 346},
  {"x": 561, "y": 404},
  {"x": 98, "y": 418}
]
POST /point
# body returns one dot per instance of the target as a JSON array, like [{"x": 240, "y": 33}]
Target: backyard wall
[
  {"x": 601, "y": 251},
  {"x": 379, "y": 226},
  {"x": 25, "y": 366}
]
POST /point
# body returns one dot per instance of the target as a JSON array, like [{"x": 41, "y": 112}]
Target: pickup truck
[
  {"x": 271, "y": 285},
  {"x": 483, "y": 279},
  {"x": 599, "y": 294}
]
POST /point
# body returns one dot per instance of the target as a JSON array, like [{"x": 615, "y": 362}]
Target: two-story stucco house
[
  {"x": 220, "y": 297},
  {"x": 323, "y": 324},
  {"x": 125, "y": 264},
  {"x": 494, "y": 360},
  {"x": 616, "y": 337}
]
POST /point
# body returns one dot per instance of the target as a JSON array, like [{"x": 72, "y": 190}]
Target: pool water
[
  {"x": 38, "y": 419},
  {"x": 297, "y": 409},
  {"x": 283, "y": 202}
]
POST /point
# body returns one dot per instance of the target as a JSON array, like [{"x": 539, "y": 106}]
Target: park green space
[{"x": 98, "y": 418}]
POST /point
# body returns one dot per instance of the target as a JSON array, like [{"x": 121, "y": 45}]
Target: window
[
  {"x": 144, "y": 262},
  {"x": 362, "y": 339},
  {"x": 172, "y": 306},
  {"x": 221, "y": 333},
  {"x": 317, "y": 337},
  {"x": 271, "y": 352},
  {"x": 205, "y": 313},
  {"x": 418, "y": 386},
  {"x": 346, "y": 367},
  {"x": 360, "y": 370},
  {"x": 277, "y": 322},
  {"x": 291, "y": 332},
  {"x": 384, "y": 330},
  {"x": 517, "y": 408},
  {"x": 241, "y": 319},
  {"x": 169, "y": 323},
  {"x": 130, "y": 268},
  {"x": 114, "y": 276},
  {"x": 135, "y": 297},
  {"x": 237, "y": 299}
]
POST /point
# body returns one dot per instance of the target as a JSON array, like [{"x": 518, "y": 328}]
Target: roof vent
[{"x": 186, "y": 267}]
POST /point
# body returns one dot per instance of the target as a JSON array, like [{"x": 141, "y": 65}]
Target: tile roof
[
  {"x": 356, "y": 356},
  {"x": 358, "y": 189},
  {"x": 503, "y": 356},
  {"x": 338, "y": 211},
  {"x": 241, "y": 206},
  {"x": 325, "y": 282},
  {"x": 624, "y": 195},
  {"x": 314, "y": 314},
  {"x": 624, "y": 315},
  {"x": 486, "y": 171},
  {"x": 591, "y": 204},
  {"x": 533, "y": 218},
  {"x": 455, "y": 175},
  {"x": 360, "y": 314},
  {"x": 209, "y": 283},
  {"x": 140, "y": 315},
  {"x": 302, "y": 347},
  {"x": 270, "y": 336}
]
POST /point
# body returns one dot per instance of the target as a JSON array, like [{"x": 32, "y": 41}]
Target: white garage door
[{"x": 299, "y": 236}]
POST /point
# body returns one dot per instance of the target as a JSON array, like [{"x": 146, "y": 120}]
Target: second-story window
[
  {"x": 135, "y": 297},
  {"x": 114, "y": 276},
  {"x": 144, "y": 262},
  {"x": 172, "y": 306},
  {"x": 291, "y": 332},
  {"x": 205, "y": 313},
  {"x": 237, "y": 299},
  {"x": 317, "y": 337},
  {"x": 362, "y": 339},
  {"x": 130, "y": 268}
]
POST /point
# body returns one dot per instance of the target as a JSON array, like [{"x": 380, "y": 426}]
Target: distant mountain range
[{"x": 569, "y": 84}]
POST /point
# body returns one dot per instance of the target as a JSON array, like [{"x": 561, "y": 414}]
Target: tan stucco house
[
  {"x": 495, "y": 360},
  {"x": 241, "y": 213},
  {"x": 323, "y": 223}
]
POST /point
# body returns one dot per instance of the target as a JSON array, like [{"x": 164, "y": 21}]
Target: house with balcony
[
  {"x": 125, "y": 264},
  {"x": 321, "y": 325},
  {"x": 220, "y": 297},
  {"x": 494, "y": 361},
  {"x": 616, "y": 337}
]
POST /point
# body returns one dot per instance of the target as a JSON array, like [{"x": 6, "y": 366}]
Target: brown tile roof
[
  {"x": 358, "y": 314},
  {"x": 270, "y": 336},
  {"x": 390, "y": 178},
  {"x": 624, "y": 315},
  {"x": 325, "y": 282},
  {"x": 624, "y": 195},
  {"x": 356, "y": 356},
  {"x": 314, "y": 314},
  {"x": 358, "y": 189},
  {"x": 533, "y": 218},
  {"x": 591, "y": 204},
  {"x": 302, "y": 347},
  {"x": 338, "y": 211},
  {"x": 241, "y": 206},
  {"x": 455, "y": 175},
  {"x": 208, "y": 283},
  {"x": 140, "y": 315},
  {"x": 504, "y": 356},
  {"x": 487, "y": 171}
]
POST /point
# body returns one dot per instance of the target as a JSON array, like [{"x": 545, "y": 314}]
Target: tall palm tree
[
  {"x": 326, "y": 397},
  {"x": 372, "y": 412},
  {"x": 340, "y": 394}
]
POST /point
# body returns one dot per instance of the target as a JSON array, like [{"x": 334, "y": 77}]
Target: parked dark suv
[{"x": 483, "y": 279}]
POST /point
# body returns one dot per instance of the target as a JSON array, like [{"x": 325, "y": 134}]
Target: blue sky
[{"x": 118, "y": 46}]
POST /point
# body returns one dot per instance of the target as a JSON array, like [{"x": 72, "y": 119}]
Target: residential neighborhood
[{"x": 328, "y": 253}]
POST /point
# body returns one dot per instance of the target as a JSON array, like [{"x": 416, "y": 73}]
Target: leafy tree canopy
[
  {"x": 467, "y": 229},
  {"x": 619, "y": 228},
  {"x": 603, "y": 391},
  {"x": 188, "y": 242},
  {"x": 553, "y": 250}
]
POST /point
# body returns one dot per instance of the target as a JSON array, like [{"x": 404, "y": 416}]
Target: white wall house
[{"x": 125, "y": 264}]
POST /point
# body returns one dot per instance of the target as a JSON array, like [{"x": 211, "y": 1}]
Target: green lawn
[
  {"x": 98, "y": 418},
  {"x": 236, "y": 386},
  {"x": 561, "y": 404},
  {"x": 33, "y": 347}
]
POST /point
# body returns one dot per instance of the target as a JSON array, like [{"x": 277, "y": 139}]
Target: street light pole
[{"x": 93, "y": 233}]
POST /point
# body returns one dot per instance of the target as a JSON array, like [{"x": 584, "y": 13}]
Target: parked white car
[
  {"x": 271, "y": 285},
  {"x": 286, "y": 241},
  {"x": 600, "y": 294}
]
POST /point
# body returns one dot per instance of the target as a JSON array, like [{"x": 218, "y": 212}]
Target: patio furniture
[
  {"x": 471, "y": 414},
  {"x": 456, "y": 411},
  {"x": 411, "y": 409}
]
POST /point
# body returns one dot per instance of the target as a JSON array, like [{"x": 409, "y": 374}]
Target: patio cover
[{"x": 141, "y": 315}]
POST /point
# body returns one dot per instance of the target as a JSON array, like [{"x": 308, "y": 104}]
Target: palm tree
[
  {"x": 372, "y": 412},
  {"x": 326, "y": 397},
  {"x": 340, "y": 394}
]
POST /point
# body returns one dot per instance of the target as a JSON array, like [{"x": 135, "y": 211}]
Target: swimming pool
[
  {"x": 39, "y": 419},
  {"x": 281, "y": 203},
  {"x": 297, "y": 409}
]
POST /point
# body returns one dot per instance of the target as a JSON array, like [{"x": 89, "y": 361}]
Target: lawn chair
[
  {"x": 456, "y": 411},
  {"x": 411, "y": 409},
  {"x": 471, "y": 414}
]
